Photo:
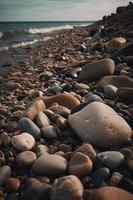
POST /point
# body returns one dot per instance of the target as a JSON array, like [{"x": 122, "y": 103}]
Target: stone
[
  {"x": 117, "y": 81},
  {"x": 97, "y": 121},
  {"x": 12, "y": 184},
  {"x": 88, "y": 150},
  {"x": 49, "y": 132},
  {"x": 111, "y": 159},
  {"x": 45, "y": 76},
  {"x": 40, "y": 150},
  {"x": 93, "y": 97},
  {"x": 5, "y": 173},
  {"x": 26, "y": 125},
  {"x": 25, "y": 159},
  {"x": 126, "y": 152},
  {"x": 96, "y": 70},
  {"x": 110, "y": 90},
  {"x": 54, "y": 90},
  {"x": 126, "y": 184},
  {"x": 100, "y": 175},
  {"x": 115, "y": 179},
  {"x": 36, "y": 106},
  {"x": 62, "y": 123},
  {"x": 108, "y": 193},
  {"x": 37, "y": 192},
  {"x": 23, "y": 142},
  {"x": 67, "y": 100},
  {"x": 60, "y": 110},
  {"x": 81, "y": 86},
  {"x": 49, "y": 164},
  {"x": 67, "y": 188},
  {"x": 130, "y": 163},
  {"x": 42, "y": 120},
  {"x": 125, "y": 94},
  {"x": 80, "y": 165},
  {"x": 126, "y": 50},
  {"x": 116, "y": 43}
]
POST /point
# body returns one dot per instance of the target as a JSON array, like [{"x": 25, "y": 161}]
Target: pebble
[
  {"x": 117, "y": 81},
  {"x": 126, "y": 50},
  {"x": 40, "y": 150},
  {"x": 62, "y": 123},
  {"x": 115, "y": 179},
  {"x": 66, "y": 100},
  {"x": 49, "y": 164},
  {"x": 100, "y": 175},
  {"x": 111, "y": 159},
  {"x": 108, "y": 193},
  {"x": 26, "y": 158},
  {"x": 49, "y": 132},
  {"x": 26, "y": 125},
  {"x": 126, "y": 152},
  {"x": 97, "y": 116},
  {"x": 116, "y": 43},
  {"x": 110, "y": 90},
  {"x": 42, "y": 120},
  {"x": 80, "y": 165},
  {"x": 12, "y": 184},
  {"x": 126, "y": 184},
  {"x": 93, "y": 97},
  {"x": 88, "y": 150},
  {"x": 5, "y": 173},
  {"x": 35, "y": 107},
  {"x": 67, "y": 188},
  {"x": 60, "y": 110},
  {"x": 81, "y": 86},
  {"x": 96, "y": 70},
  {"x": 54, "y": 90},
  {"x": 23, "y": 142},
  {"x": 130, "y": 163},
  {"x": 45, "y": 76}
]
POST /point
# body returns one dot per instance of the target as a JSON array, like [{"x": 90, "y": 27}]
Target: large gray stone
[{"x": 100, "y": 125}]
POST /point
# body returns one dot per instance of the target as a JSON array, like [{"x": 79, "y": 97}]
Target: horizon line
[{"x": 49, "y": 21}]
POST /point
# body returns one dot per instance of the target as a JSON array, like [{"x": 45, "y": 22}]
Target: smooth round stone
[
  {"x": 32, "y": 181},
  {"x": 88, "y": 150},
  {"x": 12, "y": 184},
  {"x": 92, "y": 98},
  {"x": 115, "y": 179},
  {"x": 71, "y": 73},
  {"x": 49, "y": 164},
  {"x": 67, "y": 188},
  {"x": 100, "y": 175},
  {"x": 81, "y": 86},
  {"x": 111, "y": 159},
  {"x": 108, "y": 193},
  {"x": 54, "y": 90},
  {"x": 96, "y": 70},
  {"x": 80, "y": 165},
  {"x": 62, "y": 123},
  {"x": 130, "y": 163},
  {"x": 26, "y": 158},
  {"x": 125, "y": 93},
  {"x": 67, "y": 100},
  {"x": 37, "y": 192},
  {"x": 45, "y": 76},
  {"x": 60, "y": 110},
  {"x": 26, "y": 125},
  {"x": 117, "y": 81},
  {"x": 49, "y": 132},
  {"x": 110, "y": 90},
  {"x": 42, "y": 120},
  {"x": 23, "y": 142},
  {"x": 5, "y": 173},
  {"x": 115, "y": 43},
  {"x": 96, "y": 121},
  {"x": 35, "y": 107},
  {"x": 41, "y": 149}
]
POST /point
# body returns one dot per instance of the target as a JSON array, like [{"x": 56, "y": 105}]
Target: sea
[{"x": 17, "y": 34}]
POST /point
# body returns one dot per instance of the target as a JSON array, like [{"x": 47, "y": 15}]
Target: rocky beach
[{"x": 66, "y": 114}]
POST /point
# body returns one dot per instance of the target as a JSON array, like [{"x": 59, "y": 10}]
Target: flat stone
[
  {"x": 49, "y": 132},
  {"x": 26, "y": 158},
  {"x": 67, "y": 100},
  {"x": 5, "y": 173},
  {"x": 35, "y": 107},
  {"x": 81, "y": 86},
  {"x": 49, "y": 164},
  {"x": 23, "y": 142},
  {"x": 108, "y": 193},
  {"x": 97, "y": 121},
  {"x": 26, "y": 125},
  {"x": 96, "y": 70},
  {"x": 117, "y": 81},
  {"x": 67, "y": 188},
  {"x": 42, "y": 120},
  {"x": 111, "y": 159},
  {"x": 80, "y": 165}
]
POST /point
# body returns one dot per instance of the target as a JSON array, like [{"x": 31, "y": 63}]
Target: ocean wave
[
  {"x": 22, "y": 44},
  {"x": 49, "y": 29},
  {"x": 1, "y": 34}
]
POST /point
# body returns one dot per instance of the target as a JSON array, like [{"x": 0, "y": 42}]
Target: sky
[{"x": 57, "y": 10}]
